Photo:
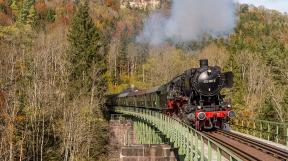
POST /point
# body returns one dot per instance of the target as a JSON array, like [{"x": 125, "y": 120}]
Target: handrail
[
  {"x": 190, "y": 142},
  {"x": 268, "y": 130},
  {"x": 266, "y": 121}
]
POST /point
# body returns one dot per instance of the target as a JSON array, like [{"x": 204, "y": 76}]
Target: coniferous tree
[
  {"x": 32, "y": 16},
  {"x": 87, "y": 58},
  {"x": 51, "y": 15},
  {"x": 15, "y": 10},
  {"x": 86, "y": 53},
  {"x": 2, "y": 6},
  {"x": 239, "y": 85},
  {"x": 25, "y": 11},
  {"x": 123, "y": 55}
]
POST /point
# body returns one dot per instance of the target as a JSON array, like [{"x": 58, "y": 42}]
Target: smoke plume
[{"x": 190, "y": 20}]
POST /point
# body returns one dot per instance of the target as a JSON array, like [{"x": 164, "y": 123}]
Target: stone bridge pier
[{"x": 133, "y": 140}]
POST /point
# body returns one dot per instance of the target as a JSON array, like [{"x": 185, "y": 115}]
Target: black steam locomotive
[{"x": 194, "y": 97}]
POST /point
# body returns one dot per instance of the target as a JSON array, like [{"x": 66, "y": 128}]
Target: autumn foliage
[
  {"x": 5, "y": 19},
  {"x": 41, "y": 120},
  {"x": 2, "y": 100}
]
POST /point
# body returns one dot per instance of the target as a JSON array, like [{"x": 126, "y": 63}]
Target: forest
[{"x": 59, "y": 59}]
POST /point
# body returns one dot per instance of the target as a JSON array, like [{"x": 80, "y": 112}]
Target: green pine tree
[
  {"x": 2, "y": 6},
  {"x": 237, "y": 91},
  {"x": 15, "y": 10},
  {"x": 86, "y": 53},
  {"x": 123, "y": 54},
  {"x": 51, "y": 15},
  {"x": 87, "y": 73},
  {"x": 23, "y": 18},
  {"x": 32, "y": 16}
]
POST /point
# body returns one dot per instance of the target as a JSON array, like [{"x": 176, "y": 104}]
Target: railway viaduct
[{"x": 154, "y": 128}]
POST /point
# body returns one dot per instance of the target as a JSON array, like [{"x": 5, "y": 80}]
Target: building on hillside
[{"x": 141, "y": 4}]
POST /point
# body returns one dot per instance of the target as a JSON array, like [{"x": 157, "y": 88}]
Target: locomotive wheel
[
  {"x": 221, "y": 125},
  {"x": 226, "y": 127},
  {"x": 198, "y": 126}
]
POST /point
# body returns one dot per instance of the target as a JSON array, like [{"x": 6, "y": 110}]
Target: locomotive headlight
[
  {"x": 201, "y": 116},
  {"x": 209, "y": 72},
  {"x": 231, "y": 114},
  {"x": 229, "y": 105},
  {"x": 199, "y": 107}
]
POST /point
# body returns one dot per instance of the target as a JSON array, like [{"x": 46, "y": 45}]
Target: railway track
[{"x": 247, "y": 148}]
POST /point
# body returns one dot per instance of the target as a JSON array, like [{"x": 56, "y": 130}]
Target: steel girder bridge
[
  {"x": 191, "y": 144},
  {"x": 153, "y": 127}
]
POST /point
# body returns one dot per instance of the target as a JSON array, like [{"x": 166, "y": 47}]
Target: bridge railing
[
  {"x": 268, "y": 130},
  {"x": 191, "y": 144}
]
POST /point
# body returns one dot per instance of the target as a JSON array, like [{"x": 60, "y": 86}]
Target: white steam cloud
[{"x": 190, "y": 20}]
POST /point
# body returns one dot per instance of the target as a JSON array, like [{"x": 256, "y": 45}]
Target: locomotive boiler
[{"x": 194, "y": 97}]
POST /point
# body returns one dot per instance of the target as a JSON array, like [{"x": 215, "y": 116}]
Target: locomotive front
[
  {"x": 206, "y": 107},
  {"x": 208, "y": 80}
]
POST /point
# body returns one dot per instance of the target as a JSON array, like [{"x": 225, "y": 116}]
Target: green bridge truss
[
  {"x": 268, "y": 130},
  {"x": 191, "y": 144},
  {"x": 142, "y": 132},
  {"x": 146, "y": 134}
]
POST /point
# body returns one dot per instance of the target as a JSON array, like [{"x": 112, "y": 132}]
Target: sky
[{"x": 279, "y": 5}]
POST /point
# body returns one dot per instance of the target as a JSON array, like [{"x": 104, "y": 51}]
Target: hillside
[
  {"x": 259, "y": 55},
  {"x": 53, "y": 100}
]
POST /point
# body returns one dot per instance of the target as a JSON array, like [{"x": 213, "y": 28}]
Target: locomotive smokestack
[{"x": 204, "y": 63}]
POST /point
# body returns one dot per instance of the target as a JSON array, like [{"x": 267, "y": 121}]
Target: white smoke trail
[{"x": 190, "y": 20}]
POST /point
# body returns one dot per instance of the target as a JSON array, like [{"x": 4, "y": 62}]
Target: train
[{"x": 193, "y": 97}]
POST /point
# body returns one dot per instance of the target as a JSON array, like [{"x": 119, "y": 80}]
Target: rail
[
  {"x": 268, "y": 130},
  {"x": 274, "y": 151},
  {"x": 190, "y": 143}
]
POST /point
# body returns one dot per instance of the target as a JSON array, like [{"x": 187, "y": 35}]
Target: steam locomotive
[{"x": 193, "y": 97}]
